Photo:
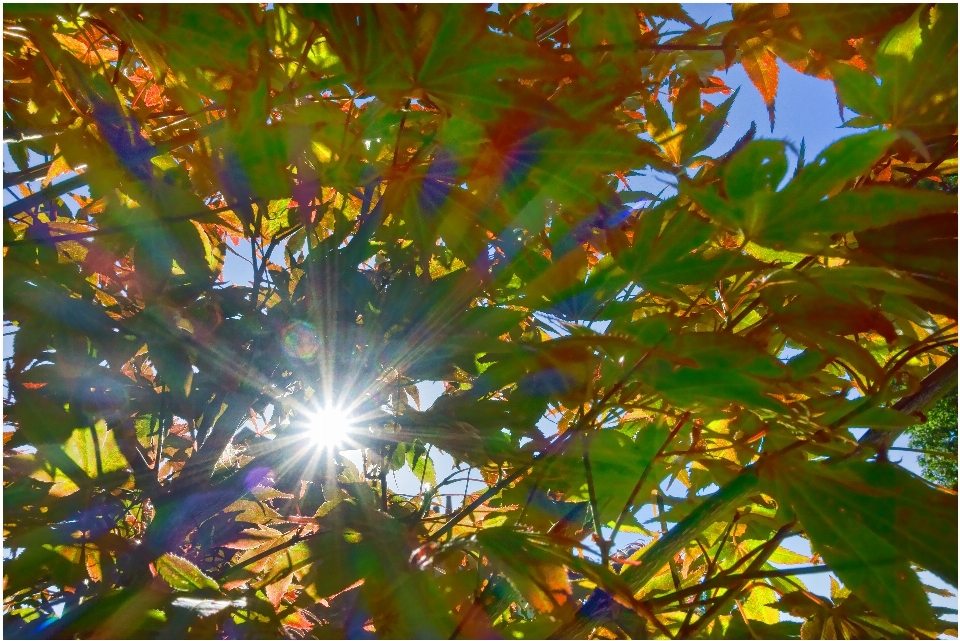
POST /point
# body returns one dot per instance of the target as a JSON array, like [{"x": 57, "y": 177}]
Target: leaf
[
  {"x": 788, "y": 557},
  {"x": 95, "y": 450},
  {"x": 755, "y": 607},
  {"x": 700, "y": 136},
  {"x": 57, "y": 169},
  {"x": 421, "y": 464},
  {"x": 206, "y": 607},
  {"x": 844, "y": 160},
  {"x": 859, "y": 91},
  {"x": 617, "y": 463},
  {"x": 761, "y": 66},
  {"x": 536, "y": 573},
  {"x": 884, "y": 419},
  {"x": 183, "y": 575},
  {"x": 854, "y": 211},
  {"x": 861, "y": 518},
  {"x": 757, "y": 168},
  {"x": 253, "y": 512}
]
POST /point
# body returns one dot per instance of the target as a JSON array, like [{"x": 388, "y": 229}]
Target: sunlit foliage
[{"x": 449, "y": 193}]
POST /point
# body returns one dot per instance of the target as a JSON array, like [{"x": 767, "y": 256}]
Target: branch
[
  {"x": 645, "y": 474},
  {"x": 495, "y": 489},
  {"x": 665, "y": 548},
  {"x": 48, "y": 193},
  {"x": 747, "y": 482},
  {"x": 12, "y": 179},
  {"x": 639, "y": 46},
  {"x": 196, "y": 216},
  {"x": 553, "y": 448},
  {"x": 932, "y": 167},
  {"x": 932, "y": 388},
  {"x": 768, "y": 549},
  {"x": 591, "y": 490},
  {"x": 296, "y": 538}
]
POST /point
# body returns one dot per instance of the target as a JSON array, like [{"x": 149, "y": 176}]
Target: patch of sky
[
  {"x": 708, "y": 13},
  {"x": 789, "y": 352},
  {"x": 710, "y": 489},
  {"x": 429, "y": 392},
  {"x": 806, "y": 107},
  {"x": 673, "y": 488},
  {"x": 547, "y": 426}
]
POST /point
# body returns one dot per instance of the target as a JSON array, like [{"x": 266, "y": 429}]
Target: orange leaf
[
  {"x": 57, "y": 168},
  {"x": 297, "y": 620},
  {"x": 553, "y": 587},
  {"x": 715, "y": 85},
  {"x": 275, "y": 591},
  {"x": 761, "y": 66}
]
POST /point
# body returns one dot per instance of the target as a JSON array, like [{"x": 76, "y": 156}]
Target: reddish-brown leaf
[{"x": 761, "y": 66}]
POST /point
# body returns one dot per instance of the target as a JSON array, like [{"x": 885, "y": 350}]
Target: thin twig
[
  {"x": 592, "y": 492},
  {"x": 645, "y": 474}
]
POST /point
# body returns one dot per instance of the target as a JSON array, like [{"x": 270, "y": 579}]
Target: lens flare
[
  {"x": 300, "y": 341},
  {"x": 329, "y": 426}
]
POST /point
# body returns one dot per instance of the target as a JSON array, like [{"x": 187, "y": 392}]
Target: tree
[
  {"x": 433, "y": 193},
  {"x": 936, "y": 439}
]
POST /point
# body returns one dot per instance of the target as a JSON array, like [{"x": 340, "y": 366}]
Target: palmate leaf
[
  {"x": 863, "y": 519},
  {"x": 807, "y": 211}
]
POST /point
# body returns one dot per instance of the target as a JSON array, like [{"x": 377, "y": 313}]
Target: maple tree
[{"x": 442, "y": 193}]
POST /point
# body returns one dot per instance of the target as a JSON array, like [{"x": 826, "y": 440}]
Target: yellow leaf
[
  {"x": 57, "y": 168},
  {"x": 95, "y": 457}
]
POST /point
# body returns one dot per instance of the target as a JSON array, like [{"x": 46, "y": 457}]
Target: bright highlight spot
[{"x": 329, "y": 426}]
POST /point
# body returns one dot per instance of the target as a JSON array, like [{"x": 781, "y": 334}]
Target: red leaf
[
  {"x": 715, "y": 85},
  {"x": 761, "y": 66}
]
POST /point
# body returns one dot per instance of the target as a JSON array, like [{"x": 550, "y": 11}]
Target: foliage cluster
[
  {"x": 442, "y": 193},
  {"x": 938, "y": 435}
]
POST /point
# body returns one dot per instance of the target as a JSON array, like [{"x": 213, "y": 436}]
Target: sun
[{"x": 329, "y": 426}]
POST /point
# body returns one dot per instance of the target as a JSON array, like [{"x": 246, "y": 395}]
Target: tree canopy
[{"x": 453, "y": 194}]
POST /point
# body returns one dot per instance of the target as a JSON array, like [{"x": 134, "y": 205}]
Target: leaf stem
[{"x": 645, "y": 474}]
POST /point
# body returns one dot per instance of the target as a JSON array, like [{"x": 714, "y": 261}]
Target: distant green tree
[{"x": 938, "y": 434}]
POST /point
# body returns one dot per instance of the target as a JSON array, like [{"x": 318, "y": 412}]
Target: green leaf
[
  {"x": 253, "y": 512},
  {"x": 421, "y": 464},
  {"x": 616, "y": 463},
  {"x": 853, "y": 211},
  {"x": 884, "y": 419},
  {"x": 706, "y": 132},
  {"x": 844, "y": 160},
  {"x": 862, "y": 518},
  {"x": 183, "y": 575},
  {"x": 536, "y": 571},
  {"x": 758, "y": 167},
  {"x": 860, "y": 91}
]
